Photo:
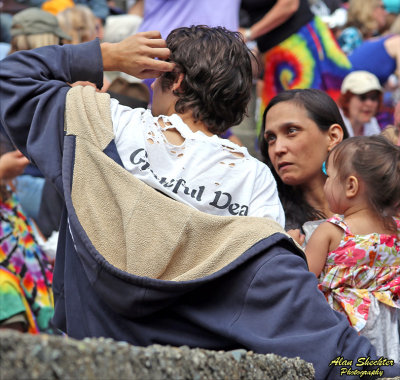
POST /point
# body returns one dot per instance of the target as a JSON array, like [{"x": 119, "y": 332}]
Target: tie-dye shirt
[
  {"x": 363, "y": 266},
  {"x": 25, "y": 272}
]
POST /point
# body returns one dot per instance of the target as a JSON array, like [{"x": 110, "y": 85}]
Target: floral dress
[
  {"x": 25, "y": 272},
  {"x": 362, "y": 268}
]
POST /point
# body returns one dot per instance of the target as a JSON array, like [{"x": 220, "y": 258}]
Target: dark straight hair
[{"x": 322, "y": 109}]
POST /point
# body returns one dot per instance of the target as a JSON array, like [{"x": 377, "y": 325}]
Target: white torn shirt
[{"x": 210, "y": 174}]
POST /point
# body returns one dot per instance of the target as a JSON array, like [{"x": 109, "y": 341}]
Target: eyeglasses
[{"x": 372, "y": 97}]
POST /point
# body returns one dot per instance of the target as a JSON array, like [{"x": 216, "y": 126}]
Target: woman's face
[
  {"x": 296, "y": 146},
  {"x": 363, "y": 107},
  {"x": 380, "y": 15}
]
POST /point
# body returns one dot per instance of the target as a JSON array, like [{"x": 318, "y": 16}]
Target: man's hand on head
[{"x": 136, "y": 55}]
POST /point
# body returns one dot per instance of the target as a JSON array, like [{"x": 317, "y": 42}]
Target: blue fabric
[
  {"x": 29, "y": 191},
  {"x": 382, "y": 67},
  {"x": 349, "y": 39},
  {"x": 266, "y": 300}
]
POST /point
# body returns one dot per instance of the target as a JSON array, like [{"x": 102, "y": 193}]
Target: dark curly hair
[{"x": 217, "y": 68}]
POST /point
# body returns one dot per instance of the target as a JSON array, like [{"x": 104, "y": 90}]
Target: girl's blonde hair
[
  {"x": 79, "y": 22},
  {"x": 361, "y": 15},
  {"x": 33, "y": 41}
]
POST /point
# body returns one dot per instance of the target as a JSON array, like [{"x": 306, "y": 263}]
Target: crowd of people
[{"x": 130, "y": 210}]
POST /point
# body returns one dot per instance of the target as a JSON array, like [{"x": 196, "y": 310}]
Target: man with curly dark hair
[{"x": 177, "y": 149}]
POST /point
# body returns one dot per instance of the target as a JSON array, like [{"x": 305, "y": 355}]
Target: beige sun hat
[{"x": 360, "y": 82}]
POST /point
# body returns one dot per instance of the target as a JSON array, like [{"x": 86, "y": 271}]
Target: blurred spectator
[
  {"x": 165, "y": 16},
  {"x": 8, "y": 8},
  {"x": 26, "y": 296},
  {"x": 98, "y": 7},
  {"x": 380, "y": 56},
  {"x": 56, "y": 6},
  {"x": 120, "y": 26},
  {"x": 79, "y": 22},
  {"x": 393, "y": 9},
  {"x": 299, "y": 49},
  {"x": 360, "y": 99},
  {"x": 392, "y": 132},
  {"x": 365, "y": 19},
  {"x": 32, "y": 28}
]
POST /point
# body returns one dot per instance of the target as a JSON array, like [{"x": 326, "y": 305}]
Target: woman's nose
[{"x": 280, "y": 146}]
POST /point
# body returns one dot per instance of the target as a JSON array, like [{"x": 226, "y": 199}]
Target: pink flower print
[
  {"x": 351, "y": 301},
  {"x": 350, "y": 255},
  {"x": 363, "y": 310},
  {"x": 388, "y": 240}
]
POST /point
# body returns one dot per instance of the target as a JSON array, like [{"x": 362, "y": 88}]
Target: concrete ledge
[{"x": 51, "y": 357}]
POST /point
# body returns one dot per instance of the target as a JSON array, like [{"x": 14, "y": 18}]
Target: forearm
[
  {"x": 33, "y": 87},
  {"x": 279, "y": 13}
]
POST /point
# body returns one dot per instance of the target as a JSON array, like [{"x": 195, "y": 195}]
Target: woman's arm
[
  {"x": 392, "y": 46},
  {"x": 278, "y": 14}
]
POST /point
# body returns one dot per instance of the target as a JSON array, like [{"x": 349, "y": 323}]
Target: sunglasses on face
[{"x": 372, "y": 97}]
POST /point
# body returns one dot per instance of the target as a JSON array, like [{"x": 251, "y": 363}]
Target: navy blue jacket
[{"x": 265, "y": 300}]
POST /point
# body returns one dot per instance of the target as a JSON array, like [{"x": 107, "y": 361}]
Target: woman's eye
[
  {"x": 269, "y": 138},
  {"x": 292, "y": 130}
]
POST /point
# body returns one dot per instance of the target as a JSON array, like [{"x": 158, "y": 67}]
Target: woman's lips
[{"x": 283, "y": 165}]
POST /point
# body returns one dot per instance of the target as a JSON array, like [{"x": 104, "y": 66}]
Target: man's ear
[
  {"x": 177, "y": 84},
  {"x": 352, "y": 186},
  {"x": 335, "y": 136}
]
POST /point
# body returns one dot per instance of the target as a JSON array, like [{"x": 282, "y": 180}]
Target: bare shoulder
[
  {"x": 327, "y": 228},
  {"x": 392, "y": 45},
  {"x": 329, "y": 232}
]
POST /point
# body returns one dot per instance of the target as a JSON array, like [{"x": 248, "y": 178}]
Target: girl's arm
[{"x": 317, "y": 248}]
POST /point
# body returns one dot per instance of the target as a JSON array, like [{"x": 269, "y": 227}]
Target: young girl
[{"x": 357, "y": 256}]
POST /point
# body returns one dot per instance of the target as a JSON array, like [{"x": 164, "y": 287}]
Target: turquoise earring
[{"x": 324, "y": 168}]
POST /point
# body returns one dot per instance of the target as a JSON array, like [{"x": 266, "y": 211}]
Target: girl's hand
[{"x": 12, "y": 164}]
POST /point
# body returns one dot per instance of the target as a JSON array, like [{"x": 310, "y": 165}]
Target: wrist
[
  {"x": 109, "y": 64},
  {"x": 248, "y": 34}
]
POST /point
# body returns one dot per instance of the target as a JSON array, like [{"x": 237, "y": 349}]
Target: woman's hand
[{"x": 297, "y": 236}]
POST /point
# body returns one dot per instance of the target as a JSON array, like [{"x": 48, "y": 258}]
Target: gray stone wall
[{"x": 25, "y": 356}]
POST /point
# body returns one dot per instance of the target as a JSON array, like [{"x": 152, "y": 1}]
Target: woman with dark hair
[{"x": 299, "y": 128}]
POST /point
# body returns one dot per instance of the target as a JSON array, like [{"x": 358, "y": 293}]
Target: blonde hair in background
[
  {"x": 79, "y": 23},
  {"x": 33, "y": 41},
  {"x": 395, "y": 27},
  {"x": 360, "y": 15}
]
